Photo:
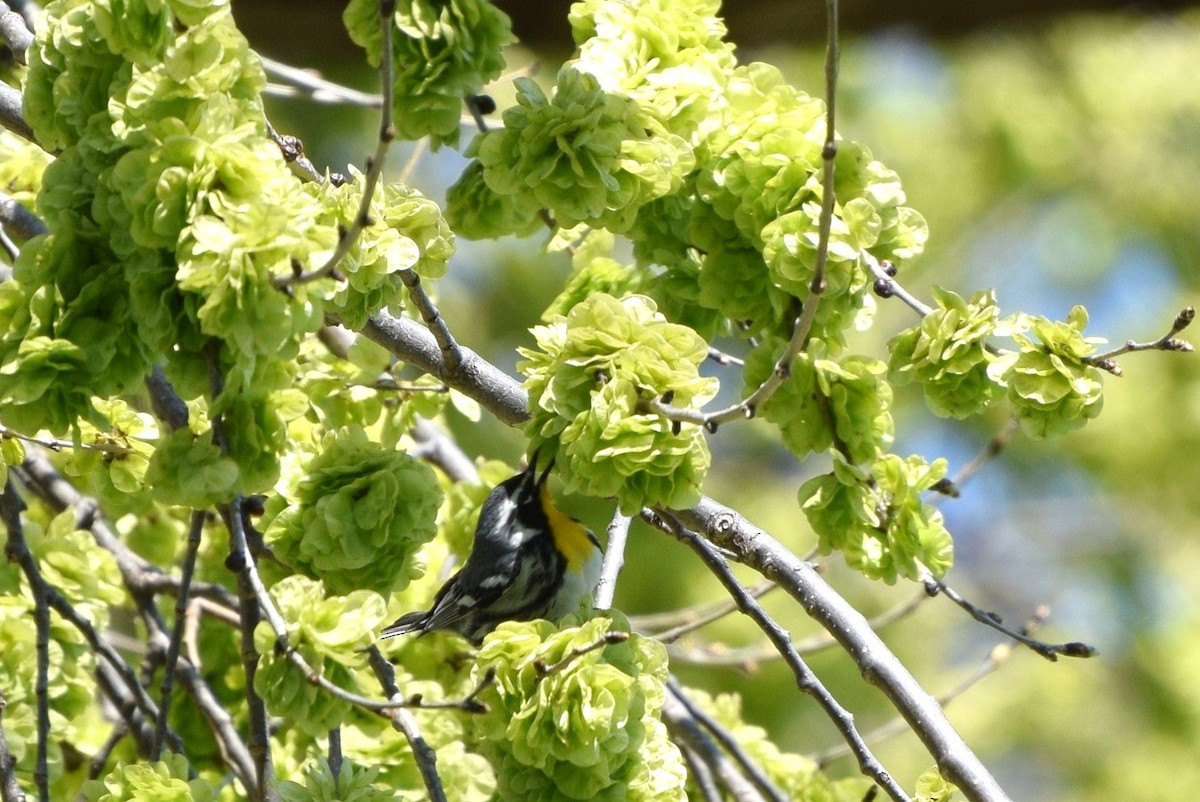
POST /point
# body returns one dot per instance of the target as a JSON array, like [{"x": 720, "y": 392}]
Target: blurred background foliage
[{"x": 1057, "y": 160}]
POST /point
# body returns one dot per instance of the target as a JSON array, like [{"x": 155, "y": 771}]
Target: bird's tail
[{"x": 410, "y": 622}]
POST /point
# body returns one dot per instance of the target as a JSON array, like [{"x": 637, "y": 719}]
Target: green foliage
[
  {"x": 586, "y": 155},
  {"x": 947, "y": 354},
  {"x": 588, "y": 382},
  {"x": 843, "y": 402},
  {"x": 1050, "y": 383},
  {"x": 357, "y": 517},
  {"x": 441, "y": 53},
  {"x": 932, "y": 787},
  {"x": 876, "y": 517},
  {"x": 587, "y": 727},
  {"x": 165, "y": 780},
  {"x": 351, "y": 784}
]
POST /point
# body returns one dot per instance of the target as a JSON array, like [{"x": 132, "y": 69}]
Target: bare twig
[
  {"x": 886, "y": 286},
  {"x": 996, "y": 657},
  {"x": 1167, "y": 342},
  {"x": 725, "y": 738},
  {"x": 172, "y": 656},
  {"x": 413, "y": 343},
  {"x": 437, "y": 447},
  {"x": 997, "y": 444},
  {"x": 404, "y": 723},
  {"x": 614, "y": 559},
  {"x": 452, "y": 356},
  {"x": 687, "y": 730},
  {"x": 166, "y": 403},
  {"x": 806, "y": 680},
  {"x": 749, "y": 656},
  {"x": 608, "y": 639},
  {"x": 16, "y": 550},
  {"x": 99, "y": 759},
  {"x": 691, "y": 617},
  {"x": 309, "y": 84},
  {"x": 1050, "y": 651}
]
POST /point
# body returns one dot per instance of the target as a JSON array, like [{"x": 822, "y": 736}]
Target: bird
[{"x": 528, "y": 560}]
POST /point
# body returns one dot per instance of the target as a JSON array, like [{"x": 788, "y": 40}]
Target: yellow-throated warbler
[{"x": 529, "y": 560}]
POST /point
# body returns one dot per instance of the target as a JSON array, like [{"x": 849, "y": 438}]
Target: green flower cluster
[
  {"x": 572, "y": 721},
  {"x": 947, "y": 354},
  {"x": 876, "y": 516},
  {"x": 476, "y": 212},
  {"x": 163, "y": 781},
  {"x": 826, "y": 401},
  {"x": 585, "y": 155},
  {"x": 442, "y": 51},
  {"x": 764, "y": 175},
  {"x": 413, "y": 236},
  {"x": 798, "y": 777},
  {"x": 589, "y": 379},
  {"x": 351, "y": 784},
  {"x": 357, "y": 517},
  {"x": 332, "y": 633},
  {"x": 1050, "y": 384},
  {"x": 669, "y": 56},
  {"x": 168, "y": 210}
]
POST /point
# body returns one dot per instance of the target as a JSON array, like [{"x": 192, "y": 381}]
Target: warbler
[{"x": 528, "y": 560}]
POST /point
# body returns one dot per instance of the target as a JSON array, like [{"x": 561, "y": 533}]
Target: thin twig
[
  {"x": 748, "y": 656},
  {"x": 404, "y": 723},
  {"x": 708, "y": 614},
  {"x": 996, "y": 657},
  {"x": 172, "y": 656},
  {"x": 435, "y": 446},
  {"x": 995, "y": 445},
  {"x": 614, "y": 559},
  {"x": 1167, "y": 342},
  {"x": 1050, "y": 651},
  {"x": 16, "y": 550},
  {"x": 725, "y": 738},
  {"x": 374, "y": 171},
  {"x": 687, "y": 730},
  {"x": 452, "y": 357},
  {"x": 806, "y": 680},
  {"x": 99, "y": 759},
  {"x": 886, "y": 286},
  {"x": 606, "y": 640},
  {"x": 309, "y": 84}
]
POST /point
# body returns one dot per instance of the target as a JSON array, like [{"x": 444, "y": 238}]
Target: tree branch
[
  {"x": 757, "y": 549},
  {"x": 614, "y": 559},
  {"x": 16, "y": 550},
  {"x": 806, "y": 680}
]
